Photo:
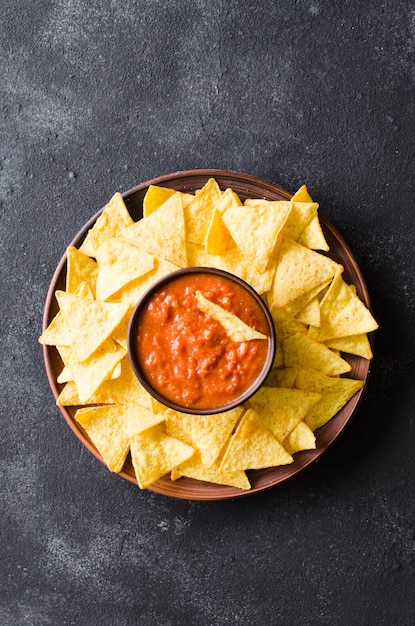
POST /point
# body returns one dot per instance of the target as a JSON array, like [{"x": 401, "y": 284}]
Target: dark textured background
[{"x": 98, "y": 96}]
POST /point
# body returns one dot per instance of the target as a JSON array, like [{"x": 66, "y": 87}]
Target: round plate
[{"x": 246, "y": 186}]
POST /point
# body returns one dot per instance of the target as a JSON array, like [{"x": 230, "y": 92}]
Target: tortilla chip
[
  {"x": 298, "y": 271},
  {"x": 301, "y": 351},
  {"x": 112, "y": 220},
  {"x": 105, "y": 427},
  {"x": 119, "y": 263},
  {"x": 80, "y": 269},
  {"x": 253, "y": 447},
  {"x": 207, "y": 433},
  {"x": 301, "y": 438},
  {"x": 154, "y": 454},
  {"x": 353, "y": 344},
  {"x": 194, "y": 468},
  {"x": 310, "y": 314},
  {"x": 89, "y": 322},
  {"x": 342, "y": 314},
  {"x": 281, "y": 409},
  {"x": 161, "y": 233},
  {"x": 90, "y": 374},
  {"x": 198, "y": 214},
  {"x": 256, "y": 229},
  {"x": 234, "y": 327},
  {"x": 335, "y": 392},
  {"x": 281, "y": 377}
]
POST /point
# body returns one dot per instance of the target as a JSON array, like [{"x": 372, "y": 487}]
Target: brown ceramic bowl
[
  {"x": 246, "y": 186},
  {"x": 137, "y": 365}
]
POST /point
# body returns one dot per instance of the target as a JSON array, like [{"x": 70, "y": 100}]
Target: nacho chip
[
  {"x": 310, "y": 314},
  {"x": 90, "y": 374},
  {"x": 353, "y": 344},
  {"x": 138, "y": 418},
  {"x": 256, "y": 230},
  {"x": 342, "y": 314},
  {"x": 281, "y": 377},
  {"x": 112, "y": 220},
  {"x": 301, "y": 438},
  {"x": 89, "y": 322},
  {"x": 207, "y": 433},
  {"x": 335, "y": 392},
  {"x": 253, "y": 447},
  {"x": 194, "y": 468},
  {"x": 198, "y": 214},
  {"x": 154, "y": 454},
  {"x": 80, "y": 269},
  {"x": 298, "y": 271},
  {"x": 234, "y": 327},
  {"x": 301, "y": 351},
  {"x": 161, "y": 233},
  {"x": 119, "y": 263},
  {"x": 105, "y": 427},
  {"x": 281, "y": 409}
]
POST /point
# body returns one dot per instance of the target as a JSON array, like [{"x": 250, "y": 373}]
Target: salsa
[{"x": 186, "y": 355}]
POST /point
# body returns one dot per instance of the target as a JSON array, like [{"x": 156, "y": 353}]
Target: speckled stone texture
[{"x": 98, "y": 96}]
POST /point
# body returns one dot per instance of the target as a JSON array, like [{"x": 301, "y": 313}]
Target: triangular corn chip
[
  {"x": 234, "y": 327},
  {"x": 255, "y": 229},
  {"x": 194, "y": 468},
  {"x": 253, "y": 447},
  {"x": 119, "y": 263},
  {"x": 342, "y": 314},
  {"x": 105, "y": 427},
  {"x": 335, "y": 392},
  {"x": 89, "y": 322},
  {"x": 301, "y": 438},
  {"x": 282, "y": 409},
  {"x": 80, "y": 268},
  {"x": 161, "y": 233},
  {"x": 154, "y": 454},
  {"x": 301, "y": 351},
  {"x": 198, "y": 214},
  {"x": 114, "y": 218},
  {"x": 298, "y": 271},
  {"x": 207, "y": 433}
]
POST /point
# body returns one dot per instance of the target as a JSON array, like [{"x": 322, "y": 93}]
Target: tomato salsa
[{"x": 186, "y": 355}]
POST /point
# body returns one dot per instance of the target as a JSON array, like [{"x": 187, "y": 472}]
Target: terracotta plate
[{"x": 245, "y": 186}]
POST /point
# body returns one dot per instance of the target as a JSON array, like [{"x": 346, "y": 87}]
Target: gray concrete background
[{"x": 98, "y": 96}]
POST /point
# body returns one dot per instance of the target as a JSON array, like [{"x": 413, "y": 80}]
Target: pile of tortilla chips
[{"x": 276, "y": 246}]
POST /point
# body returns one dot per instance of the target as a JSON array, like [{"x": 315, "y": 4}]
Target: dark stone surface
[{"x": 97, "y": 96}]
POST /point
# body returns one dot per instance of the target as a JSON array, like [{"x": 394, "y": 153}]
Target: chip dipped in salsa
[{"x": 187, "y": 354}]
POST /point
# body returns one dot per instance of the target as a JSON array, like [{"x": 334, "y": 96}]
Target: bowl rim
[{"x": 135, "y": 362}]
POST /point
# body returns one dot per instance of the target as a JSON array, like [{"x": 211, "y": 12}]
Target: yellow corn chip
[
  {"x": 161, "y": 233},
  {"x": 234, "y": 327},
  {"x": 301, "y": 195},
  {"x": 80, "y": 269},
  {"x": 90, "y": 374},
  {"x": 353, "y": 344},
  {"x": 89, "y": 322},
  {"x": 138, "y": 418},
  {"x": 281, "y": 377},
  {"x": 198, "y": 214},
  {"x": 298, "y": 271},
  {"x": 154, "y": 454},
  {"x": 335, "y": 392},
  {"x": 301, "y": 438},
  {"x": 112, "y": 220},
  {"x": 301, "y": 351},
  {"x": 207, "y": 433},
  {"x": 253, "y": 447},
  {"x": 310, "y": 314},
  {"x": 105, "y": 427},
  {"x": 119, "y": 263},
  {"x": 281, "y": 409},
  {"x": 255, "y": 229},
  {"x": 342, "y": 314},
  {"x": 194, "y": 468}
]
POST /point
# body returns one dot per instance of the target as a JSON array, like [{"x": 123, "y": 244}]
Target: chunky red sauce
[{"x": 186, "y": 355}]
